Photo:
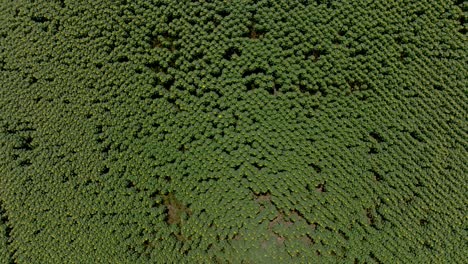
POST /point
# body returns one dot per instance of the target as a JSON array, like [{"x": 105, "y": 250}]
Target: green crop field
[{"x": 235, "y": 131}]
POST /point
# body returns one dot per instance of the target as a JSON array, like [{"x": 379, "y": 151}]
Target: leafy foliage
[{"x": 233, "y": 131}]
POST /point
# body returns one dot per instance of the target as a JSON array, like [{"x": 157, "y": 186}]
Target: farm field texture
[{"x": 241, "y": 131}]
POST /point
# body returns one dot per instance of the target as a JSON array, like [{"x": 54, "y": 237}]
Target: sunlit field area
[{"x": 235, "y": 131}]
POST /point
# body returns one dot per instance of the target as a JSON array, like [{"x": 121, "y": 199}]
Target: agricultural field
[{"x": 235, "y": 131}]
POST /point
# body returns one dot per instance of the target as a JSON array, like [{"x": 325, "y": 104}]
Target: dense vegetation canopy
[{"x": 236, "y": 131}]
